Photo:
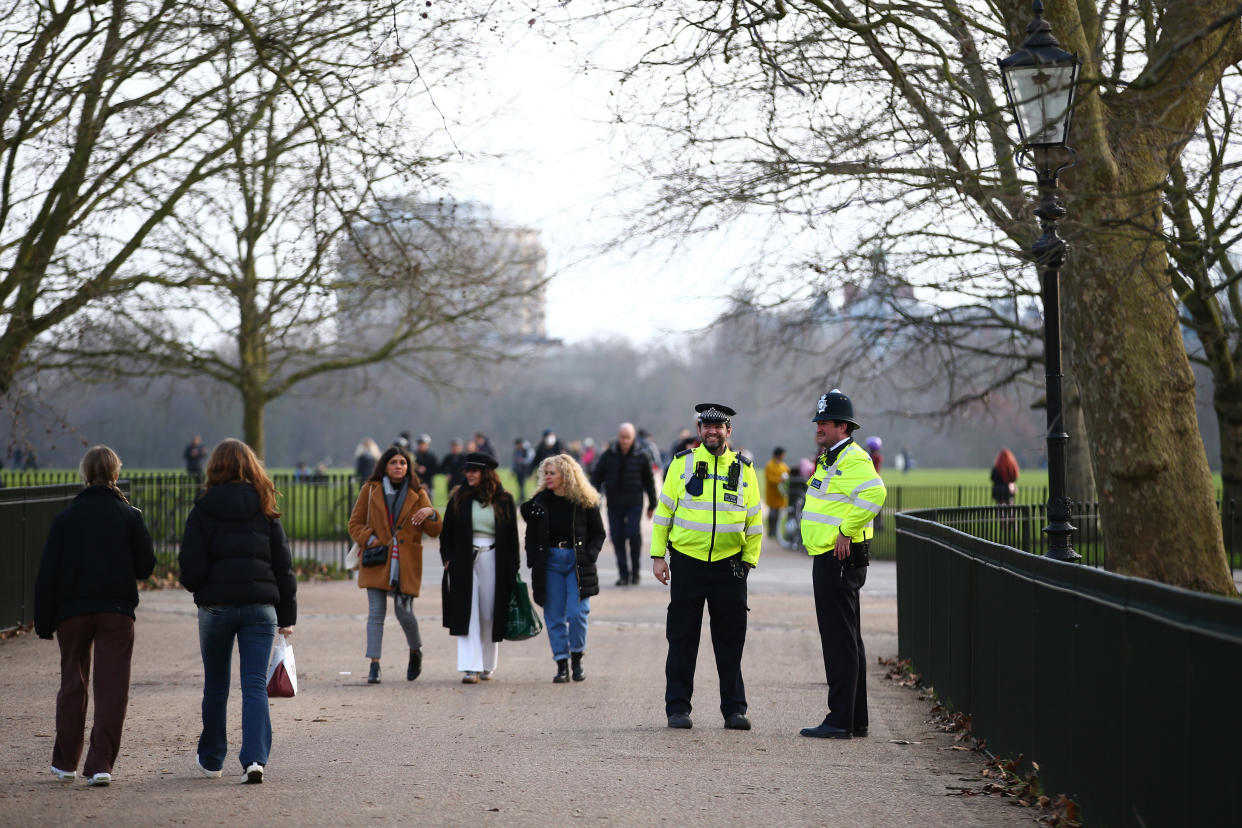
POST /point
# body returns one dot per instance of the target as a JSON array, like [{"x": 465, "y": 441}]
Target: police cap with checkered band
[{"x": 710, "y": 413}]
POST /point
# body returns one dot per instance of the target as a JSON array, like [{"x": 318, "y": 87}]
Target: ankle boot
[
  {"x": 373, "y": 677},
  {"x": 415, "y": 666},
  {"x": 562, "y": 671},
  {"x": 576, "y": 658}
]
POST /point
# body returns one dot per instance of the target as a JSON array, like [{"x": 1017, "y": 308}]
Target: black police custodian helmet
[
  {"x": 479, "y": 460},
  {"x": 714, "y": 413},
  {"x": 834, "y": 406}
]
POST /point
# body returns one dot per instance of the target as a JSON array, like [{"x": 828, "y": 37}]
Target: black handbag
[{"x": 375, "y": 555}]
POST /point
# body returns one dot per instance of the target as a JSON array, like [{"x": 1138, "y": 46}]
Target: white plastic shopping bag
[{"x": 282, "y": 671}]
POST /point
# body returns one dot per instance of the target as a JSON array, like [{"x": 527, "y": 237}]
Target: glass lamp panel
[{"x": 1041, "y": 96}]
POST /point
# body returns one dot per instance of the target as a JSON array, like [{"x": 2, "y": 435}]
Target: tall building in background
[{"x": 445, "y": 266}]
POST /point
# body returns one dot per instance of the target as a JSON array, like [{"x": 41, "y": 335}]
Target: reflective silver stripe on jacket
[
  {"x": 720, "y": 529},
  {"x": 661, "y": 520},
  {"x": 706, "y": 505},
  {"x": 667, "y": 501},
  {"x": 815, "y": 517}
]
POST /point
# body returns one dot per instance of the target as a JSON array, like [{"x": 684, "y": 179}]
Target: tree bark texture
[
  {"x": 1157, "y": 503},
  {"x": 1079, "y": 479}
]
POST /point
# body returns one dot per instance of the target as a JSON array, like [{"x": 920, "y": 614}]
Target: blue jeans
[
  {"x": 254, "y": 627},
  {"x": 564, "y": 613}
]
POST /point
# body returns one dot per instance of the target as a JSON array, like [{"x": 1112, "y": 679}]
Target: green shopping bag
[{"x": 523, "y": 622}]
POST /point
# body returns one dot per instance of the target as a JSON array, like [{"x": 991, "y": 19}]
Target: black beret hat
[{"x": 479, "y": 460}]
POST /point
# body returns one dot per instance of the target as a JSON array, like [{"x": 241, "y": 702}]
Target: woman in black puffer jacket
[
  {"x": 235, "y": 559},
  {"x": 564, "y": 533}
]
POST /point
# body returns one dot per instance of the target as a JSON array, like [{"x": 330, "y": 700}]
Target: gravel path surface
[{"x": 517, "y": 751}]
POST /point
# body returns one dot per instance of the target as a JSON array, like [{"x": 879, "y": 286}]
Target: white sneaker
[
  {"x": 64, "y": 776},
  {"x": 254, "y": 774},
  {"x": 213, "y": 774},
  {"x": 100, "y": 780}
]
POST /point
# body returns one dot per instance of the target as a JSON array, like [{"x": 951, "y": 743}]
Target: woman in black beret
[{"x": 479, "y": 547}]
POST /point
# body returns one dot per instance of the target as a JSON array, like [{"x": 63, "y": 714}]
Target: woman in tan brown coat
[{"x": 392, "y": 512}]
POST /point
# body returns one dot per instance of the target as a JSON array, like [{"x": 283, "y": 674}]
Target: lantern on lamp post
[{"x": 1040, "y": 79}]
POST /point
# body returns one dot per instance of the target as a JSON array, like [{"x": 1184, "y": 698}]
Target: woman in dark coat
[
  {"x": 479, "y": 548},
  {"x": 235, "y": 559},
  {"x": 564, "y": 533},
  {"x": 85, "y": 593},
  {"x": 1004, "y": 477}
]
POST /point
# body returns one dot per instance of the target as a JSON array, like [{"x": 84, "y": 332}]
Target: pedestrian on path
[
  {"x": 564, "y": 533},
  {"x": 843, "y": 497},
  {"x": 479, "y": 548},
  {"x": 708, "y": 523},
  {"x": 624, "y": 474},
  {"x": 235, "y": 560},
  {"x": 393, "y": 510},
  {"x": 1004, "y": 477},
  {"x": 776, "y": 476},
  {"x": 85, "y": 593}
]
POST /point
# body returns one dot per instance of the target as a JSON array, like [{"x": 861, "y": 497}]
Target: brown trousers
[{"x": 112, "y": 635}]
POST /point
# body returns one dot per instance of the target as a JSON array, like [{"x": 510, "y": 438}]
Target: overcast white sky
[{"x": 562, "y": 165}]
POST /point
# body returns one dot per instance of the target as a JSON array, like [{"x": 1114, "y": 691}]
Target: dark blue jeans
[
  {"x": 626, "y": 525},
  {"x": 254, "y": 627}
]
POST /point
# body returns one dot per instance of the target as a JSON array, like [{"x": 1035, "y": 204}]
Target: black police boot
[
  {"x": 576, "y": 659},
  {"x": 415, "y": 666},
  {"x": 374, "y": 676},
  {"x": 562, "y": 671}
]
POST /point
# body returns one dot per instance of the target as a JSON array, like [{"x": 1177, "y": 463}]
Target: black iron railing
[{"x": 1119, "y": 688}]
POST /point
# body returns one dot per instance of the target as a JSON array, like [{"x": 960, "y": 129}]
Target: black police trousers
[
  {"x": 840, "y": 635},
  {"x": 694, "y": 583}
]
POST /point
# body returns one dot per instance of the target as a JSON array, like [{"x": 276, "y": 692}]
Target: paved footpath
[{"x": 517, "y": 751}]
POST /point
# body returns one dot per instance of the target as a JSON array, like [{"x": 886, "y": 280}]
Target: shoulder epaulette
[
  {"x": 745, "y": 460},
  {"x": 683, "y": 453}
]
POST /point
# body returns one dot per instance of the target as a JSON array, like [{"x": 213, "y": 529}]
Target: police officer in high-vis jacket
[
  {"x": 843, "y": 497},
  {"x": 706, "y": 534}
]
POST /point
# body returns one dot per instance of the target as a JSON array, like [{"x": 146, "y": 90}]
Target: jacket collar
[
  {"x": 701, "y": 453},
  {"x": 831, "y": 455},
  {"x": 97, "y": 491}
]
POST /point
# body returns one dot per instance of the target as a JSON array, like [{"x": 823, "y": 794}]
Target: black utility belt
[{"x": 563, "y": 545}]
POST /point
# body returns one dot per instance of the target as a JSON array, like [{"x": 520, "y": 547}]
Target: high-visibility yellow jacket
[
  {"x": 844, "y": 495},
  {"x": 716, "y": 524}
]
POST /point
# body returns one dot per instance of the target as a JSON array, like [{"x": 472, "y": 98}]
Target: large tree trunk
[
  {"x": 1157, "y": 504},
  {"x": 252, "y": 365},
  {"x": 1079, "y": 481},
  {"x": 253, "y": 406},
  {"x": 1157, "y": 500}
]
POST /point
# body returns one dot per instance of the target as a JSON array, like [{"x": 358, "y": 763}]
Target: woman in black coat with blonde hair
[
  {"x": 85, "y": 593},
  {"x": 564, "y": 533},
  {"x": 479, "y": 548}
]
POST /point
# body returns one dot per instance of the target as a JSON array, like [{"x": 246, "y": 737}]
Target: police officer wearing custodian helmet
[
  {"x": 707, "y": 522},
  {"x": 843, "y": 497}
]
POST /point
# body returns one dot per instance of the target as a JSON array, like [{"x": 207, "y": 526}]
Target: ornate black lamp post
[{"x": 1039, "y": 82}]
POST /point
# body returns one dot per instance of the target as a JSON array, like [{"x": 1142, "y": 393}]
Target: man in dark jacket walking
[{"x": 623, "y": 473}]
